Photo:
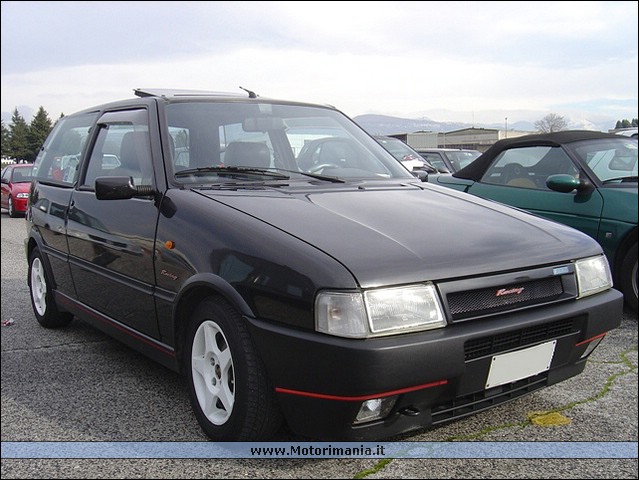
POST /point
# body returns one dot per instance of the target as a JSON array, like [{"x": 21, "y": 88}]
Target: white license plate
[{"x": 513, "y": 366}]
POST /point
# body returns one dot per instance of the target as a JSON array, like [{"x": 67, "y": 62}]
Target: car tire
[
  {"x": 12, "y": 209},
  {"x": 42, "y": 300},
  {"x": 629, "y": 277},
  {"x": 226, "y": 380}
]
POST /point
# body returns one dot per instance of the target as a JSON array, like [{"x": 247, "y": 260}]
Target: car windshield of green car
[{"x": 609, "y": 159}]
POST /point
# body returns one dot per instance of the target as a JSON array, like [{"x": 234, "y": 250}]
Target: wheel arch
[
  {"x": 35, "y": 241},
  {"x": 196, "y": 289},
  {"x": 626, "y": 244}
]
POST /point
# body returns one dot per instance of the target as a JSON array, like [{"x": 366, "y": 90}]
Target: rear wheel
[
  {"x": 629, "y": 277},
  {"x": 44, "y": 307},
  {"x": 227, "y": 384}
]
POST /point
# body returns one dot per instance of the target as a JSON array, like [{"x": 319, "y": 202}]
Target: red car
[{"x": 16, "y": 180}]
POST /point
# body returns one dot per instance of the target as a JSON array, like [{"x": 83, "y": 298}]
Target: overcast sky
[{"x": 475, "y": 62}]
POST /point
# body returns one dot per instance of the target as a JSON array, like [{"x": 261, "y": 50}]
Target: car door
[
  {"x": 111, "y": 242},
  {"x": 518, "y": 177}
]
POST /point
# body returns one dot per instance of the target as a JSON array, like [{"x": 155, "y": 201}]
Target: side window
[
  {"x": 435, "y": 160},
  {"x": 61, "y": 155},
  {"x": 122, "y": 149},
  {"x": 529, "y": 167}
]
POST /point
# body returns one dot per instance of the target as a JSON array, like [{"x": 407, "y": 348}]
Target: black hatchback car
[{"x": 183, "y": 225}]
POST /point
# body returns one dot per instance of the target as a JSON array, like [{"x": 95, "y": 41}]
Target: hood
[
  {"x": 21, "y": 187},
  {"x": 387, "y": 235}
]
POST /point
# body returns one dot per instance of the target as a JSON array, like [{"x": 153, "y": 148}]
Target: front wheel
[
  {"x": 629, "y": 277},
  {"x": 227, "y": 384},
  {"x": 12, "y": 209},
  {"x": 44, "y": 307}
]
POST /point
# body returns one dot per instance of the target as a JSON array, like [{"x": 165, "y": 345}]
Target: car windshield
[
  {"x": 461, "y": 158},
  {"x": 609, "y": 159},
  {"x": 399, "y": 149},
  {"x": 255, "y": 140}
]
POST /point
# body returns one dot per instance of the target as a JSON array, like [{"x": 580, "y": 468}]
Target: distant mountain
[{"x": 387, "y": 125}]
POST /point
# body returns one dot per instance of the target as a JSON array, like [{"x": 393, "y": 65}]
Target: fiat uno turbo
[{"x": 300, "y": 289}]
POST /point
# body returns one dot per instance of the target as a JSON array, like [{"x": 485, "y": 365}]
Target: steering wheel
[{"x": 512, "y": 171}]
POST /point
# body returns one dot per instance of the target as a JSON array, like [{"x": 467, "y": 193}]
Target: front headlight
[
  {"x": 593, "y": 275},
  {"x": 384, "y": 311}
]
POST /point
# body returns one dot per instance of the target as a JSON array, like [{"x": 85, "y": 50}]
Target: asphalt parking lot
[{"x": 78, "y": 385}]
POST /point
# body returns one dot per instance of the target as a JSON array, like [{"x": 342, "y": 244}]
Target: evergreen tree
[
  {"x": 38, "y": 131},
  {"x": 18, "y": 142},
  {"x": 625, "y": 123},
  {"x": 5, "y": 140}
]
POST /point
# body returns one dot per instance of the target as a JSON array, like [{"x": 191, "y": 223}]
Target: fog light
[{"x": 375, "y": 409}]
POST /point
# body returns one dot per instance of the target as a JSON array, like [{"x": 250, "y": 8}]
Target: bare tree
[{"x": 551, "y": 123}]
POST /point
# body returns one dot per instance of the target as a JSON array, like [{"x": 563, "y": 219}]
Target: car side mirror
[
  {"x": 421, "y": 174},
  {"x": 565, "y": 183},
  {"x": 5, "y": 180},
  {"x": 119, "y": 188}
]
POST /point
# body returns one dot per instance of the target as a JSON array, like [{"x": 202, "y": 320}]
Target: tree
[
  {"x": 18, "y": 141},
  {"x": 626, "y": 124},
  {"x": 5, "y": 141},
  {"x": 38, "y": 131},
  {"x": 551, "y": 123}
]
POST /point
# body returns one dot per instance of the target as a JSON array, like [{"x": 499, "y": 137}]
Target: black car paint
[{"x": 136, "y": 268}]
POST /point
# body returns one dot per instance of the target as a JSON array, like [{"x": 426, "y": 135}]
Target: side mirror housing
[{"x": 565, "y": 183}]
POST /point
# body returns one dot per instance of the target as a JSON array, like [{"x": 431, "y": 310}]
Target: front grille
[
  {"x": 490, "y": 300},
  {"x": 476, "y": 402},
  {"x": 481, "y": 347}
]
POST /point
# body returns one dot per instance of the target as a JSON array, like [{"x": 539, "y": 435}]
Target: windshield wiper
[
  {"x": 629, "y": 178},
  {"x": 232, "y": 171},
  {"x": 326, "y": 178}
]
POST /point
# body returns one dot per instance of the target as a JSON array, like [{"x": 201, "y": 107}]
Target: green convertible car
[{"x": 584, "y": 179}]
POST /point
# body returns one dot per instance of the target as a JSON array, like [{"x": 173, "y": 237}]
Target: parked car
[
  {"x": 448, "y": 160},
  {"x": 628, "y": 132},
  {"x": 412, "y": 160},
  {"x": 324, "y": 152},
  {"x": 289, "y": 288},
  {"x": 585, "y": 179},
  {"x": 16, "y": 180}
]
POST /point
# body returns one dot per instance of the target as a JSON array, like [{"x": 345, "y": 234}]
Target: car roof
[
  {"x": 174, "y": 92},
  {"x": 387, "y": 138},
  {"x": 445, "y": 149},
  {"x": 476, "y": 169},
  {"x": 146, "y": 95}
]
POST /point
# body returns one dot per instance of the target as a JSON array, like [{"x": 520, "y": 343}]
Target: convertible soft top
[{"x": 476, "y": 169}]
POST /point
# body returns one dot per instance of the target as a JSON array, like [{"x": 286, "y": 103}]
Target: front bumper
[
  {"x": 20, "y": 204},
  {"x": 438, "y": 375}
]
